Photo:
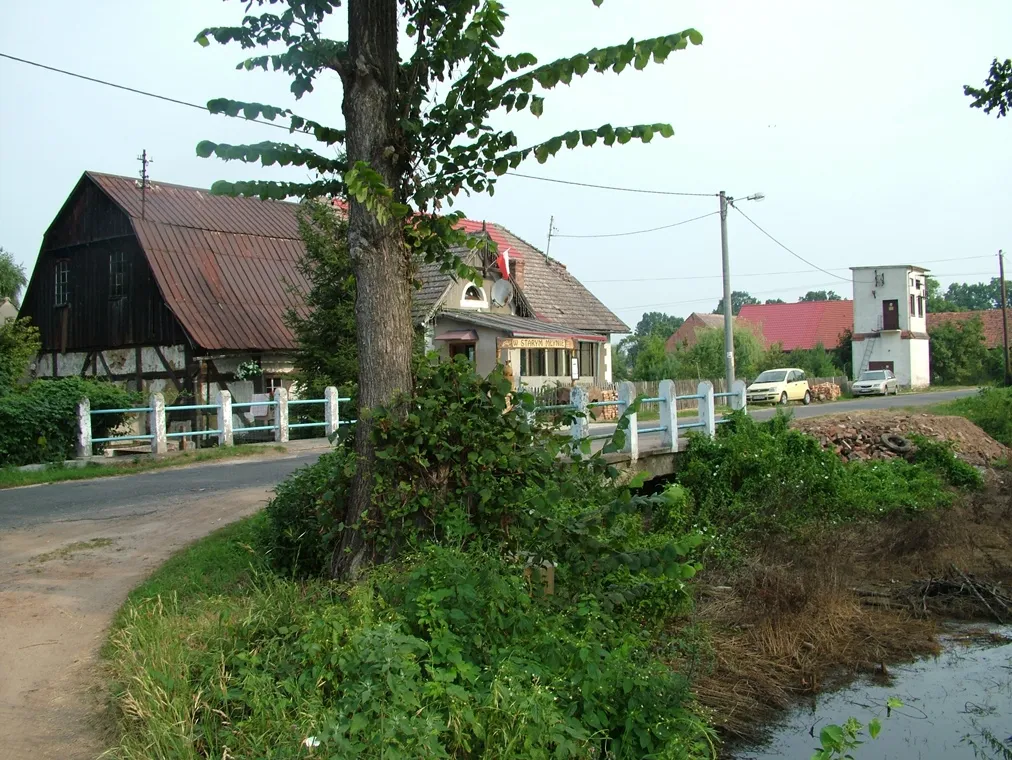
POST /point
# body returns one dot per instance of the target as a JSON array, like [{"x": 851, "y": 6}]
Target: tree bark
[{"x": 381, "y": 262}]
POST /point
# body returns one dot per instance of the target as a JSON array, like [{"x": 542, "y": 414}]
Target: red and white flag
[{"x": 503, "y": 260}]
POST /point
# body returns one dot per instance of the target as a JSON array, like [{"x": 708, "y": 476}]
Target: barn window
[
  {"x": 117, "y": 274},
  {"x": 472, "y": 294},
  {"x": 62, "y": 280}
]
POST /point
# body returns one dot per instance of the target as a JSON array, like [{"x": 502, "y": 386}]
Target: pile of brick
[
  {"x": 879, "y": 435},
  {"x": 603, "y": 413},
  {"x": 825, "y": 392}
]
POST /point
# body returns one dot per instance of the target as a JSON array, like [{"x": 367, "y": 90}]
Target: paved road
[
  {"x": 143, "y": 493},
  {"x": 652, "y": 440}
]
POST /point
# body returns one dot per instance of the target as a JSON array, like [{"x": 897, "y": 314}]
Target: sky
[{"x": 848, "y": 117}]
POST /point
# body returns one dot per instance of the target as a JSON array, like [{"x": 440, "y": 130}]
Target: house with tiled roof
[
  {"x": 168, "y": 287},
  {"x": 990, "y": 320},
  {"x": 687, "y": 334},
  {"x": 802, "y": 325}
]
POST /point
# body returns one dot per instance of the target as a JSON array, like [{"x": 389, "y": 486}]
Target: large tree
[
  {"x": 996, "y": 94},
  {"x": 416, "y": 133},
  {"x": 12, "y": 277},
  {"x": 739, "y": 298},
  {"x": 820, "y": 295}
]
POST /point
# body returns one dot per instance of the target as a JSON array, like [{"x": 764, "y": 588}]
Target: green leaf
[
  {"x": 537, "y": 105},
  {"x": 202, "y": 39},
  {"x": 831, "y": 737},
  {"x": 205, "y": 148},
  {"x": 694, "y": 37},
  {"x": 874, "y": 727}
]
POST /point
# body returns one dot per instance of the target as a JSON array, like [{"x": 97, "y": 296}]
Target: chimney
[{"x": 517, "y": 271}]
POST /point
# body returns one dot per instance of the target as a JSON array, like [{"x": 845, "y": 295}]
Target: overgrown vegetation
[
  {"x": 38, "y": 423},
  {"x": 759, "y": 480},
  {"x": 990, "y": 410},
  {"x": 512, "y": 611},
  {"x": 518, "y": 605}
]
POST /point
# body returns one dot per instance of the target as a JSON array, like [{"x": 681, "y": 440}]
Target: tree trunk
[{"x": 383, "y": 301}]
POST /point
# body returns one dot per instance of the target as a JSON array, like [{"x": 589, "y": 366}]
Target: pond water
[{"x": 951, "y": 702}]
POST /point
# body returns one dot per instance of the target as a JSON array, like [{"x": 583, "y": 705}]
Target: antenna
[
  {"x": 551, "y": 231},
  {"x": 143, "y": 158}
]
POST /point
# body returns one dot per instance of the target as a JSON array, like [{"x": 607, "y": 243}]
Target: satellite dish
[{"x": 502, "y": 291}]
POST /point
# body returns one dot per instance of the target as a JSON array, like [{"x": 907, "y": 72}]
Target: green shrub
[
  {"x": 764, "y": 479},
  {"x": 940, "y": 457},
  {"x": 295, "y": 535},
  {"x": 39, "y": 423},
  {"x": 990, "y": 410}
]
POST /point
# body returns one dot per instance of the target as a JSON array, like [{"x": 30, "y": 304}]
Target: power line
[
  {"x": 795, "y": 255},
  {"x": 134, "y": 90},
  {"x": 771, "y": 274},
  {"x": 610, "y": 187},
  {"x": 640, "y": 232}
]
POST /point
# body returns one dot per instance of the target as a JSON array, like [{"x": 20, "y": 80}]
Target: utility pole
[
  {"x": 143, "y": 158},
  {"x": 728, "y": 310},
  {"x": 551, "y": 229},
  {"x": 1004, "y": 317}
]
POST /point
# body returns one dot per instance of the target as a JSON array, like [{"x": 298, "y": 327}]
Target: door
[
  {"x": 891, "y": 315},
  {"x": 467, "y": 349},
  {"x": 796, "y": 386},
  {"x": 881, "y": 365}
]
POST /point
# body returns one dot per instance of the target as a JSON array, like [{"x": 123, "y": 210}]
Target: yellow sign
[{"x": 508, "y": 343}]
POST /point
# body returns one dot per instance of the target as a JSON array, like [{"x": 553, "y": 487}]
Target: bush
[
  {"x": 295, "y": 535},
  {"x": 940, "y": 457},
  {"x": 39, "y": 423},
  {"x": 763, "y": 479},
  {"x": 990, "y": 410}
]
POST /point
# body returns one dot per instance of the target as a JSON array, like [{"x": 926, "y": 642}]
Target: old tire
[
  {"x": 897, "y": 443},
  {"x": 807, "y": 399},
  {"x": 783, "y": 399}
]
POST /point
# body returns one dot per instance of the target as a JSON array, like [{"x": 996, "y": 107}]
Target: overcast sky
[{"x": 850, "y": 118}]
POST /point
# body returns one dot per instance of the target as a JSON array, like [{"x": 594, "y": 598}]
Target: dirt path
[{"x": 60, "y": 585}]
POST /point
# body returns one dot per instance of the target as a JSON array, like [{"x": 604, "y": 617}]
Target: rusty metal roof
[{"x": 226, "y": 267}]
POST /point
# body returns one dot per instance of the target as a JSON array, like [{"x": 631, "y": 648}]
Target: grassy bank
[
  {"x": 461, "y": 647},
  {"x": 11, "y": 477},
  {"x": 990, "y": 410}
]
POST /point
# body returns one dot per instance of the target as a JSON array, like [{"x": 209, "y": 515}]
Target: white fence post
[
  {"x": 331, "y": 410},
  {"x": 281, "y": 415},
  {"x": 84, "y": 428},
  {"x": 156, "y": 424},
  {"x": 224, "y": 402},
  {"x": 738, "y": 399},
  {"x": 626, "y": 395},
  {"x": 706, "y": 415},
  {"x": 669, "y": 414},
  {"x": 580, "y": 427}
]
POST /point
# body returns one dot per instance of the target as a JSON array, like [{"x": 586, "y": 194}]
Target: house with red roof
[
  {"x": 803, "y": 325},
  {"x": 990, "y": 320}
]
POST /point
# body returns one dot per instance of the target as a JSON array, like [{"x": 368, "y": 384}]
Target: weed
[
  {"x": 78, "y": 547},
  {"x": 940, "y": 457},
  {"x": 990, "y": 410}
]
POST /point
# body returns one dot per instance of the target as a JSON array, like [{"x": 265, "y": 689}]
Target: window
[
  {"x": 558, "y": 362},
  {"x": 912, "y": 304},
  {"x": 473, "y": 298},
  {"x": 117, "y": 274},
  {"x": 472, "y": 294},
  {"x": 532, "y": 362},
  {"x": 920, "y": 306},
  {"x": 62, "y": 279},
  {"x": 588, "y": 359},
  {"x": 918, "y": 284}
]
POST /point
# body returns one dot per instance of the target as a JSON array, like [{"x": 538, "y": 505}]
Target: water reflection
[{"x": 952, "y": 704}]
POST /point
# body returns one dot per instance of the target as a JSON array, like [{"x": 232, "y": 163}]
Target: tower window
[
  {"x": 62, "y": 279},
  {"x": 117, "y": 274}
]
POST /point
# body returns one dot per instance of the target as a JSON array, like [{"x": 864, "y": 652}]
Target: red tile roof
[
  {"x": 990, "y": 320},
  {"x": 688, "y": 333},
  {"x": 801, "y": 325}
]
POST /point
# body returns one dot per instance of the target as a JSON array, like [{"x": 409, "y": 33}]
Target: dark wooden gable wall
[{"x": 87, "y": 234}]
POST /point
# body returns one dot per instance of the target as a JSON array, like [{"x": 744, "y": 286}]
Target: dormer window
[{"x": 474, "y": 297}]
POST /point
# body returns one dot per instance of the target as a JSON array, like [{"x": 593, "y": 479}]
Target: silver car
[{"x": 873, "y": 382}]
